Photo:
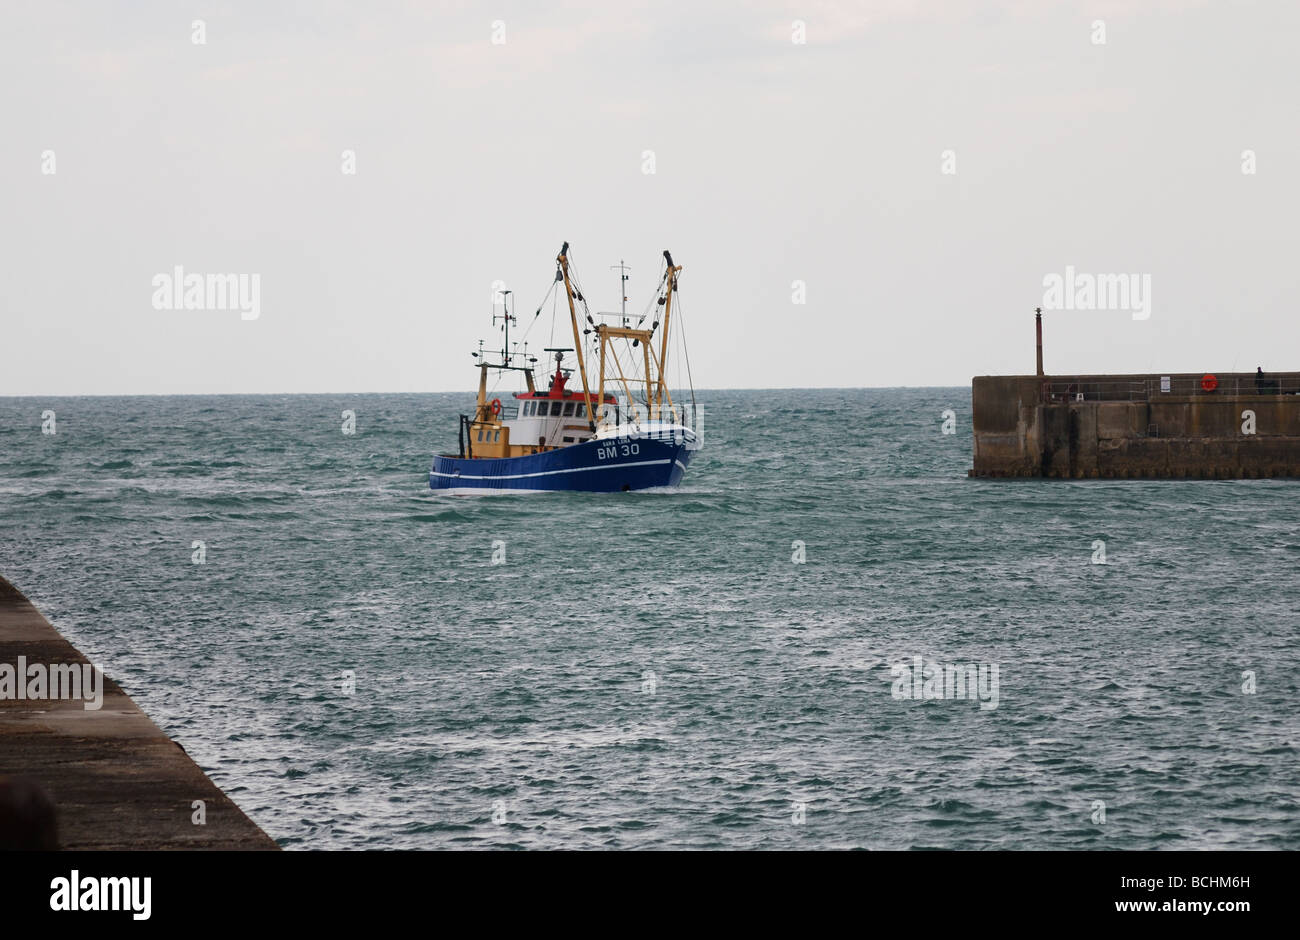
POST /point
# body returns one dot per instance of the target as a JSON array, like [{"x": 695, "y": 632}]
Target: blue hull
[{"x": 607, "y": 466}]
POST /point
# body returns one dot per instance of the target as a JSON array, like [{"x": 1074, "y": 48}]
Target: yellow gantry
[
  {"x": 655, "y": 381},
  {"x": 489, "y": 437}
]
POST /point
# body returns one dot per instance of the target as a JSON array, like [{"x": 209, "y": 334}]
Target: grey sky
[{"x": 775, "y": 162}]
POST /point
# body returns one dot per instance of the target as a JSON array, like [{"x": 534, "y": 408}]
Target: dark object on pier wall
[
  {"x": 1118, "y": 426},
  {"x": 28, "y": 819}
]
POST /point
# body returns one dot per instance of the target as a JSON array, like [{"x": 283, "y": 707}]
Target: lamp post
[{"x": 1038, "y": 337}]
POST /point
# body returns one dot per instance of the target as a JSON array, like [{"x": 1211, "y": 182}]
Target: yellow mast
[
  {"x": 649, "y": 393},
  {"x": 563, "y": 261},
  {"x": 663, "y": 343},
  {"x": 481, "y": 412}
]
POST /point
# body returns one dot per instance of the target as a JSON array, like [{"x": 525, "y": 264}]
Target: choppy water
[{"x": 653, "y": 669}]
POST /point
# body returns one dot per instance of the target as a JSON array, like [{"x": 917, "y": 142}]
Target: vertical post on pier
[
  {"x": 1038, "y": 331},
  {"x": 1038, "y": 336}
]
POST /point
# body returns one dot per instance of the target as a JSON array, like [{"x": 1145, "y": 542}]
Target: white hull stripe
[
  {"x": 493, "y": 491},
  {"x": 547, "y": 473}
]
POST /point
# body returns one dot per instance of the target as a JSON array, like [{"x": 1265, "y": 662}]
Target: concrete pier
[
  {"x": 116, "y": 781},
  {"x": 1175, "y": 425}
]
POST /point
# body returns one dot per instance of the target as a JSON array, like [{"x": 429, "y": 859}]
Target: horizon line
[{"x": 470, "y": 392}]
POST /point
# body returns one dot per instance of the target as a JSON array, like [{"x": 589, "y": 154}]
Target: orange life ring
[
  {"x": 1209, "y": 382},
  {"x": 496, "y": 407}
]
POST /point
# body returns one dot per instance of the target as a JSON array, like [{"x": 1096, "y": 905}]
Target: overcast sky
[{"x": 775, "y": 161}]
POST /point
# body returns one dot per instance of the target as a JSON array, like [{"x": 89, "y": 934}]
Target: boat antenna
[
  {"x": 507, "y": 317},
  {"x": 622, "y": 269}
]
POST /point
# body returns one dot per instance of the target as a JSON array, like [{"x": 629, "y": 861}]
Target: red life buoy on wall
[
  {"x": 1209, "y": 382},
  {"x": 496, "y": 407}
]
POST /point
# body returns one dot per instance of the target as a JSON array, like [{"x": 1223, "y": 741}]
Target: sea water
[{"x": 764, "y": 658}]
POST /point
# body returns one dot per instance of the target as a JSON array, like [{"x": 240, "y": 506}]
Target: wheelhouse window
[
  {"x": 496, "y": 437},
  {"x": 581, "y": 411},
  {"x": 555, "y": 408},
  {"x": 568, "y": 409},
  {"x": 529, "y": 407}
]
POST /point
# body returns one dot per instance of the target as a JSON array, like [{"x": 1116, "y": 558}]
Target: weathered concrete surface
[
  {"x": 1125, "y": 426},
  {"x": 117, "y": 781}
]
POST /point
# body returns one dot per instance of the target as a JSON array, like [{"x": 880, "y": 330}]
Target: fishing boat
[{"x": 622, "y": 432}]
